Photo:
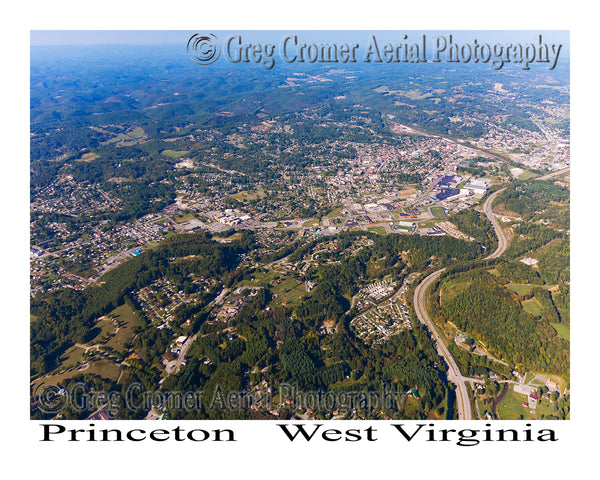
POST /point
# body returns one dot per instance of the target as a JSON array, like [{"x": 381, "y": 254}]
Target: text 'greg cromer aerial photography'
[{"x": 306, "y": 225}]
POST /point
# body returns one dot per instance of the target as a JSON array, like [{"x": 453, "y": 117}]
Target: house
[
  {"x": 533, "y": 399},
  {"x": 551, "y": 385},
  {"x": 534, "y": 395}
]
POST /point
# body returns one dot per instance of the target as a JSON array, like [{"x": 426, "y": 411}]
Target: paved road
[
  {"x": 174, "y": 365},
  {"x": 462, "y": 395},
  {"x": 503, "y": 239},
  {"x": 554, "y": 174}
]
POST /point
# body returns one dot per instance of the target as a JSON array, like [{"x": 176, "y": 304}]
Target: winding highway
[
  {"x": 503, "y": 239},
  {"x": 463, "y": 400},
  {"x": 454, "y": 375}
]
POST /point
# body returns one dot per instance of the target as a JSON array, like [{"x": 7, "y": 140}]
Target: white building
[{"x": 478, "y": 185}]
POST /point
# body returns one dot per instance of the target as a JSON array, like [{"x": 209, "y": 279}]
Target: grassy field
[
  {"x": 335, "y": 212},
  {"x": 289, "y": 291},
  {"x": 451, "y": 288},
  {"x": 526, "y": 175},
  {"x": 511, "y": 409},
  {"x": 520, "y": 288},
  {"x": 416, "y": 95},
  {"x": 175, "y": 153},
  {"x": 438, "y": 212},
  {"x": 563, "y": 331},
  {"x": 137, "y": 133},
  {"x": 313, "y": 222},
  {"x": 170, "y": 234},
  {"x": 128, "y": 138},
  {"x": 106, "y": 326},
  {"x": 247, "y": 196},
  {"x": 428, "y": 223},
  {"x": 161, "y": 220},
  {"x": 261, "y": 278},
  {"x": 88, "y": 157},
  {"x": 103, "y": 368},
  {"x": 532, "y": 306},
  {"x": 184, "y": 218},
  {"x": 128, "y": 320},
  {"x": 72, "y": 356},
  {"x": 379, "y": 230}
]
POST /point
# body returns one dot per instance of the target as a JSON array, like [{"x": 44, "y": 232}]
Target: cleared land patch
[
  {"x": 175, "y": 153},
  {"x": 520, "y": 288},
  {"x": 532, "y": 306},
  {"x": 247, "y": 196},
  {"x": 102, "y": 368},
  {"x": 452, "y": 288},
  {"x": 126, "y": 320},
  {"x": 562, "y": 330}
]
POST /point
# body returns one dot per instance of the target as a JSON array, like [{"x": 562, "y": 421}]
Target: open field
[
  {"x": 130, "y": 138},
  {"x": 175, "y": 153},
  {"x": 247, "y": 196},
  {"x": 137, "y": 133},
  {"x": 288, "y": 291},
  {"x": 562, "y": 330},
  {"x": 71, "y": 356},
  {"x": 428, "y": 223},
  {"x": 520, "y": 288},
  {"x": 102, "y": 368},
  {"x": 526, "y": 175},
  {"x": 184, "y": 218},
  {"x": 336, "y": 212},
  {"x": 451, "y": 288},
  {"x": 438, "y": 212},
  {"x": 379, "y": 230},
  {"x": 127, "y": 320},
  {"x": 560, "y": 381},
  {"x": 532, "y": 306},
  {"x": 162, "y": 220},
  {"x": 105, "y": 327},
  {"x": 259, "y": 278},
  {"x": 510, "y": 408},
  {"x": 88, "y": 157},
  {"x": 416, "y": 95}
]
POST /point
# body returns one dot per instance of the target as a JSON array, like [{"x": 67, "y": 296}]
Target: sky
[
  {"x": 113, "y": 37},
  {"x": 164, "y": 37}
]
